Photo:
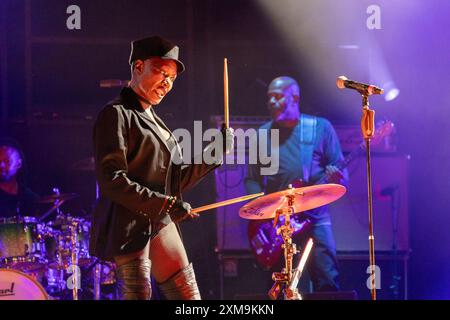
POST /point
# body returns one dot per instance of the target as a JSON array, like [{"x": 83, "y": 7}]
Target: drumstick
[
  {"x": 226, "y": 202},
  {"x": 298, "y": 272},
  {"x": 225, "y": 92}
]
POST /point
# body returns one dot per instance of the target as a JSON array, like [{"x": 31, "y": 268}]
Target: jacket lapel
[
  {"x": 152, "y": 125},
  {"x": 173, "y": 171},
  {"x": 129, "y": 95},
  {"x": 163, "y": 125}
]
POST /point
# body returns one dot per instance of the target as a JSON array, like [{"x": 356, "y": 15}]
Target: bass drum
[{"x": 15, "y": 285}]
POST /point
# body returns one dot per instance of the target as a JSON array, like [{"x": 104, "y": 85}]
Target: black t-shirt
[{"x": 21, "y": 204}]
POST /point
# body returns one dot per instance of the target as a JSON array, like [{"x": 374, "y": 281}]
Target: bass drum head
[{"x": 15, "y": 285}]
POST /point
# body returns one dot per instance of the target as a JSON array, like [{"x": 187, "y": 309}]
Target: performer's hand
[
  {"x": 334, "y": 175},
  {"x": 228, "y": 139},
  {"x": 181, "y": 211}
]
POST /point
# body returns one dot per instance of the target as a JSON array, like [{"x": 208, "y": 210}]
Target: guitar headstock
[{"x": 383, "y": 129}]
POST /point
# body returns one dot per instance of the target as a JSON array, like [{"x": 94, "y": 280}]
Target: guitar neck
[{"x": 342, "y": 164}]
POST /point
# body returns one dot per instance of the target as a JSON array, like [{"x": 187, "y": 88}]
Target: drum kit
[
  {"x": 53, "y": 255},
  {"x": 47, "y": 257},
  {"x": 50, "y": 260}
]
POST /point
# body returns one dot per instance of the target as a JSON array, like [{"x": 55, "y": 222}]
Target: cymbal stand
[
  {"x": 56, "y": 206},
  {"x": 297, "y": 273},
  {"x": 97, "y": 280},
  {"x": 74, "y": 258},
  {"x": 98, "y": 263},
  {"x": 283, "y": 279}
]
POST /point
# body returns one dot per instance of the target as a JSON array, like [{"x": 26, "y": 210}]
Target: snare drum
[
  {"x": 15, "y": 285},
  {"x": 21, "y": 246}
]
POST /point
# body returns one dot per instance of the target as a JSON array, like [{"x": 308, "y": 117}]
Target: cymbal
[
  {"x": 86, "y": 164},
  {"x": 305, "y": 198},
  {"x": 57, "y": 197}
]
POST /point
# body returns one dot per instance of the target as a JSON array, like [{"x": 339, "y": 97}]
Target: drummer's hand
[
  {"x": 228, "y": 139},
  {"x": 181, "y": 210},
  {"x": 334, "y": 175}
]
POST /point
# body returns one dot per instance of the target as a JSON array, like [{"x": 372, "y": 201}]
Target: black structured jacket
[{"x": 134, "y": 174}]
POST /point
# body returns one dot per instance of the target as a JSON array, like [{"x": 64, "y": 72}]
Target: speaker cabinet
[
  {"x": 391, "y": 275},
  {"x": 349, "y": 214},
  {"x": 390, "y": 206},
  {"x": 231, "y": 229}
]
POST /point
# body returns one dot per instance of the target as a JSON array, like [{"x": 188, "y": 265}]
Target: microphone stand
[{"x": 368, "y": 130}]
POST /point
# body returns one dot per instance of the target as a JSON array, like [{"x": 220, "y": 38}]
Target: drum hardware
[
  {"x": 57, "y": 199},
  {"x": 297, "y": 273},
  {"x": 55, "y": 253},
  {"x": 97, "y": 278},
  {"x": 103, "y": 278},
  {"x": 75, "y": 283},
  {"x": 71, "y": 254},
  {"x": 285, "y": 277},
  {"x": 72, "y": 267},
  {"x": 284, "y": 204}
]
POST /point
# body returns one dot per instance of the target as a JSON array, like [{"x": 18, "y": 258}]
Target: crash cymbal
[
  {"x": 57, "y": 197},
  {"x": 86, "y": 164},
  {"x": 306, "y": 198}
]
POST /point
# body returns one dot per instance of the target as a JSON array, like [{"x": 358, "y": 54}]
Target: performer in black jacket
[{"x": 140, "y": 202}]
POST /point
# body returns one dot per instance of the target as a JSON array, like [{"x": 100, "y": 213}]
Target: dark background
[{"x": 50, "y": 93}]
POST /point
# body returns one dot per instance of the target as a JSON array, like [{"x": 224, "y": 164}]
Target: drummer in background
[
  {"x": 16, "y": 199},
  {"x": 308, "y": 151}
]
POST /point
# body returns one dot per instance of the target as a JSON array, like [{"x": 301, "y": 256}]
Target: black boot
[
  {"x": 181, "y": 286},
  {"x": 133, "y": 279}
]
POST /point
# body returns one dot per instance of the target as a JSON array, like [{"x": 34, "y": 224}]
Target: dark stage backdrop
[{"x": 50, "y": 93}]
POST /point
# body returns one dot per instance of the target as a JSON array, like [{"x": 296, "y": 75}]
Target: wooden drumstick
[
  {"x": 225, "y": 93},
  {"x": 226, "y": 202}
]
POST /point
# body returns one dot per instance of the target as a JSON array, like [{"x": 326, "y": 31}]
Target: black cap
[{"x": 155, "y": 47}]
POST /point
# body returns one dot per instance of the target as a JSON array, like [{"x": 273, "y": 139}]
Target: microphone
[
  {"x": 111, "y": 83},
  {"x": 342, "y": 82}
]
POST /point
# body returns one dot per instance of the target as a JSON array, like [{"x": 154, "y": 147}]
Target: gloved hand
[
  {"x": 180, "y": 211},
  {"x": 228, "y": 139},
  {"x": 215, "y": 151}
]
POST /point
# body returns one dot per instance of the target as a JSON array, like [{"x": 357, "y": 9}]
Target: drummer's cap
[{"x": 155, "y": 46}]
